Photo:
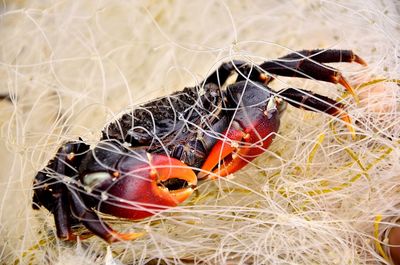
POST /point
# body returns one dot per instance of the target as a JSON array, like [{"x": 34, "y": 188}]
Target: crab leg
[
  {"x": 52, "y": 193},
  {"x": 326, "y": 56},
  {"x": 245, "y": 71},
  {"x": 308, "y": 64},
  {"x": 94, "y": 224},
  {"x": 47, "y": 188},
  {"x": 220, "y": 75},
  {"x": 62, "y": 217},
  {"x": 314, "y": 102}
]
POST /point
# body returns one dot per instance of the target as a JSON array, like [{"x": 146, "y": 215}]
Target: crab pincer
[
  {"x": 256, "y": 118},
  {"x": 140, "y": 185}
]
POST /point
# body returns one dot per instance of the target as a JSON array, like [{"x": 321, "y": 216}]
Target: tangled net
[{"x": 316, "y": 196}]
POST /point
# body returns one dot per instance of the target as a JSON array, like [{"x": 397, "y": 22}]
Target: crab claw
[
  {"x": 144, "y": 185},
  {"x": 226, "y": 156},
  {"x": 249, "y": 135}
]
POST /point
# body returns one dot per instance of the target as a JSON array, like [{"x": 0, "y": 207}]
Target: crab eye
[{"x": 91, "y": 180}]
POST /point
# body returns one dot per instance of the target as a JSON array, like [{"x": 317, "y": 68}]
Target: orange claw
[
  {"x": 141, "y": 185},
  {"x": 165, "y": 169},
  {"x": 249, "y": 136},
  {"x": 224, "y": 157},
  {"x": 146, "y": 186}
]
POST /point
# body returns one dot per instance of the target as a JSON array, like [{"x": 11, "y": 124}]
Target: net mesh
[{"x": 315, "y": 197}]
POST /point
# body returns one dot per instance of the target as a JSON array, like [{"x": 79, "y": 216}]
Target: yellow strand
[
  {"x": 378, "y": 245},
  {"x": 314, "y": 150}
]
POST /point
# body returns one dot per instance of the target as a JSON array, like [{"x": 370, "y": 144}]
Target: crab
[{"x": 153, "y": 156}]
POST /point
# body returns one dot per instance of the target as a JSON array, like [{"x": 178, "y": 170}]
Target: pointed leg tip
[
  {"x": 341, "y": 80},
  {"x": 359, "y": 60}
]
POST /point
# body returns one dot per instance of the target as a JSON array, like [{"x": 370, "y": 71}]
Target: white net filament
[{"x": 316, "y": 196}]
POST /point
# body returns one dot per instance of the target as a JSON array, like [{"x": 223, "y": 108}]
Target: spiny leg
[
  {"x": 309, "y": 64},
  {"x": 314, "y": 102}
]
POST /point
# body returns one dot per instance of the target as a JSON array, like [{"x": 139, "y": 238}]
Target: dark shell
[{"x": 174, "y": 124}]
